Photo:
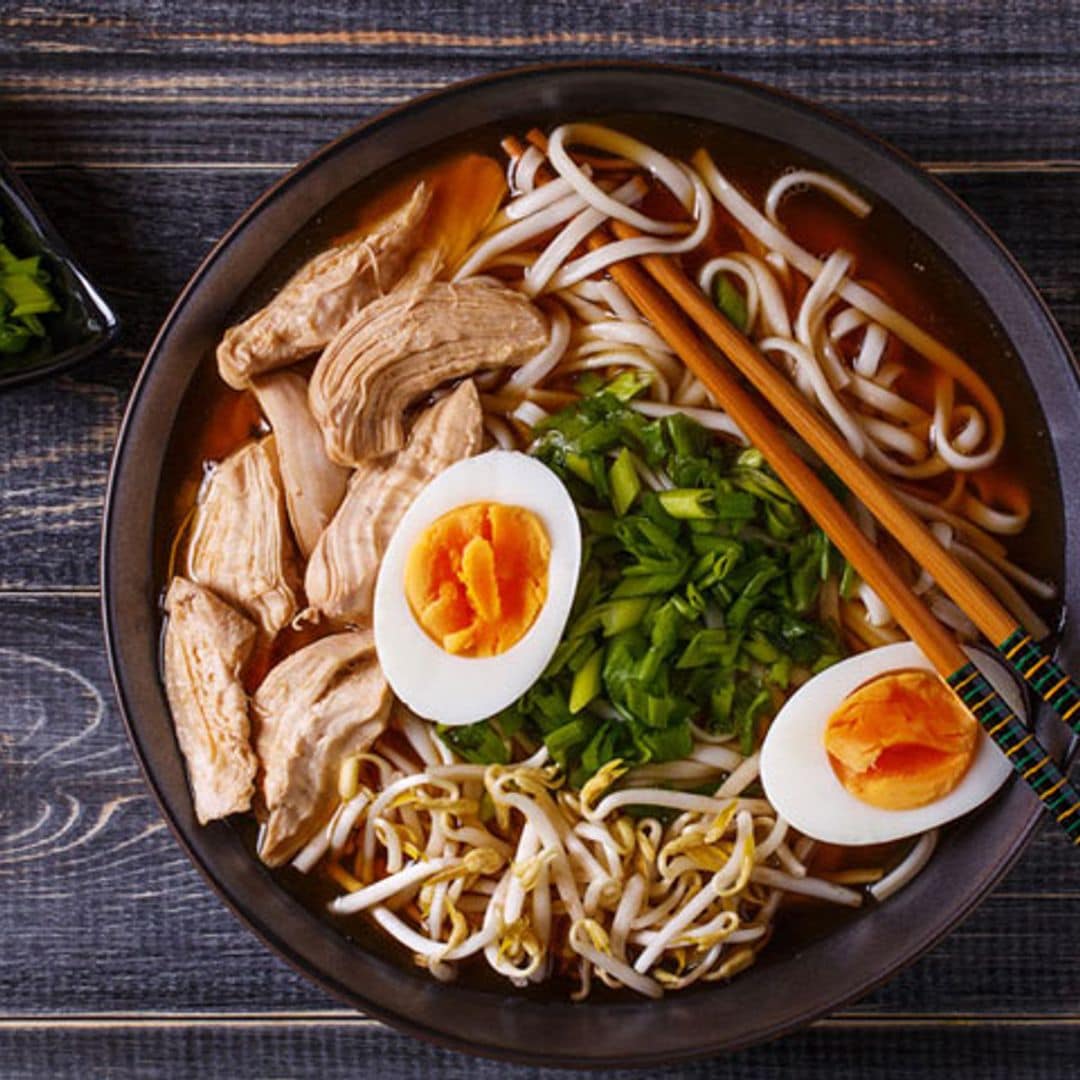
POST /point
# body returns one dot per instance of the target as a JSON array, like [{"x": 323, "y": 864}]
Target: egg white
[
  {"x": 434, "y": 683},
  {"x": 799, "y": 779}
]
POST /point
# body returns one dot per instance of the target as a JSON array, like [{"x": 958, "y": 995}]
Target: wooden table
[{"x": 145, "y": 129}]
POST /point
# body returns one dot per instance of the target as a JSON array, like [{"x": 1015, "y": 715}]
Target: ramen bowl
[{"x": 805, "y": 973}]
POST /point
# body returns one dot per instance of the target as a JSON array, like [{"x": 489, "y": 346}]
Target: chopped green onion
[
  {"x": 566, "y": 653},
  {"x": 733, "y": 505},
  {"x": 688, "y": 438},
  {"x": 780, "y": 672},
  {"x": 667, "y": 744},
  {"x": 600, "y": 523},
  {"x": 478, "y": 743},
  {"x": 600, "y": 750},
  {"x": 509, "y": 722},
  {"x": 849, "y": 581},
  {"x": 687, "y": 503},
  {"x": 586, "y": 685},
  {"x": 747, "y": 714},
  {"x": 628, "y": 385},
  {"x": 690, "y": 602},
  {"x": 567, "y": 738},
  {"x": 588, "y": 382},
  {"x": 621, "y": 615},
  {"x": 712, "y": 647},
  {"x": 625, "y": 482},
  {"x": 34, "y": 325},
  {"x": 731, "y": 302},
  {"x": 650, "y": 584},
  {"x": 762, "y": 650},
  {"x": 824, "y": 662},
  {"x": 23, "y": 297},
  {"x": 14, "y": 338},
  {"x": 579, "y": 466},
  {"x": 29, "y": 297}
]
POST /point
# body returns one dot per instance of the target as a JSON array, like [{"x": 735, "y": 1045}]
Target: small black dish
[{"x": 84, "y": 324}]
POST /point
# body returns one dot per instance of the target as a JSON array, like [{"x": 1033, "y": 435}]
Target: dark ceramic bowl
[
  {"x": 84, "y": 324},
  {"x": 793, "y": 985}
]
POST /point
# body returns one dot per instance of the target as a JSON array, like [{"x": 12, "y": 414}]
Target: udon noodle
[
  {"x": 665, "y": 875},
  {"x": 843, "y": 345}
]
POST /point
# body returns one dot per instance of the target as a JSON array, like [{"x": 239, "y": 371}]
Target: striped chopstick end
[
  {"x": 1054, "y": 685},
  {"x": 1024, "y": 751}
]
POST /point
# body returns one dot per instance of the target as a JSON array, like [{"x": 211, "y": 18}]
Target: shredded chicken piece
[
  {"x": 207, "y": 644},
  {"x": 239, "y": 544},
  {"x": 314, "y": 485},
  {"x": 400, "y": 348},
  {"x": 321, "y": 297},
  {"x": 340, "y": 579},
  {"x": 316, "y": 707}
]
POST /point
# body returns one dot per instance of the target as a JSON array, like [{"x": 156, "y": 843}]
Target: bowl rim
[{"x": 123, "y": 667}]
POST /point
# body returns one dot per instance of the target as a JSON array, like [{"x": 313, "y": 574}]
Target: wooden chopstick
[
  {"x": 1035, "y": 765},
  {"x": 1016, "y": 644}
]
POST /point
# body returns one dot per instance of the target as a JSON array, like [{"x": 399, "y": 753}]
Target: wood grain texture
[
  {"x": 333, "y": 1051},
  {"x": 149, "y": 126},
  {"x": 157, "y": 81}
]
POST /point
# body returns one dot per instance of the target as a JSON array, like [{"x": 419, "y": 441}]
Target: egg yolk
[
  {"x": 901, "y": 740},
  {"x": 477, "y": 577}
]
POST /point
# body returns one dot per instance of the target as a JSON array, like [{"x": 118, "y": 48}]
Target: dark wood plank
[
  {"x": 128, "y": 926},
  {"x": 987, "y": 1051},
  {"x": 141, "y": 233},
  {"x": 163, "y": 81}
]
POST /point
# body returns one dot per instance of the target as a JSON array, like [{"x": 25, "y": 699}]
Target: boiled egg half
[
  {"x": 870, "y": 750},
  {"x": 476, "y": 586}
]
